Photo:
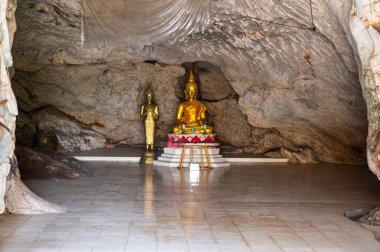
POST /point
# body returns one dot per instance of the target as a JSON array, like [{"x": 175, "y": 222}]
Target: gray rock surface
[
  {"x": 20, "y": 200},
  {"x": 15, "y": 197},
  {"x": 26, "y": 130},
  {"x": 281, "y": 83},
  {"x": 230, "y": 124},
  {"x": 8, "y": 105},
  {"x": 214, "y": 86},
  {"x": 34, "y": 164},
  {"x": 364, "y": 23},
  {"x": 72, "y": 135}
]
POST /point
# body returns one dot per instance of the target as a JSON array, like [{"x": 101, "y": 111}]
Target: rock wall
[
  {"x": 15, "y": 197},
  {"x": 364, "y": 23},
  {"x": 277, "y": 79},
  {"x": 8, "y": 110},
  {"x": 301, "y": 81}
]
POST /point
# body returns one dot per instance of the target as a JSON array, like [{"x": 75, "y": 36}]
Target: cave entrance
[
  {"x": 74, "y": 99},
  {"x": 140, "y": 207}
]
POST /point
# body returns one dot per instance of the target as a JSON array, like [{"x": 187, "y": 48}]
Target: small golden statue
[
  {"x": 191, "y": 115},
  {"x": 149, "y": 111}
]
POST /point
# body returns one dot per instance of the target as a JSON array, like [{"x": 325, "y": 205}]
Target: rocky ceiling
[{"x": 279, "y": 77}]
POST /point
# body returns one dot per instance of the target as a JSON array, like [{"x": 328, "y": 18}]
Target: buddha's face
[
  {"x": 191, "y": 92},
  {"x": 149, "y": 98}
]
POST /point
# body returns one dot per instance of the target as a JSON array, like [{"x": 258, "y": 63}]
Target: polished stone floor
[{"x": 256, "y": 207}]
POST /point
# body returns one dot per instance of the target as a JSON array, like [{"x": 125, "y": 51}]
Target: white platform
[
  {"x": 255, "y": 160},
  {"x": 137, "y": 159},
  {"x": 108, "y": 159},
  {"x": 133, "y": 155},
  {"x": 175, "y": 164}
]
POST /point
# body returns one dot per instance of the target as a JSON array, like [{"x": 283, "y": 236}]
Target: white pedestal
[{"x": 172, "y": 156}]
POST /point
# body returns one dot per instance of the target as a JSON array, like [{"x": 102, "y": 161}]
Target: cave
[{"x": 295, "y": 81}]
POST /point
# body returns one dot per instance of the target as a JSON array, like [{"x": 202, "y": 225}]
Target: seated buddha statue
[{"x": 191, "y": 115}]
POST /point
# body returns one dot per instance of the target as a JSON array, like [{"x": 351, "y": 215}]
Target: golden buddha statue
[
  {"x": 149, "y": 111},
  {"x": 191, "y": 115}
]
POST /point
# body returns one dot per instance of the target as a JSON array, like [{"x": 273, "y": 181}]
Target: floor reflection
[
  {"x": 251, "y": 207},
  {"x": 194, "y": 176},
  {"x": 149, "y": 191},
  {"x": 202, "y": 177}
]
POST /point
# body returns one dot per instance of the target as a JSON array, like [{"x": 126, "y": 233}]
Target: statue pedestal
[
  {"x": 147, "y": 158},
  {"x": 180, "y": 154}
]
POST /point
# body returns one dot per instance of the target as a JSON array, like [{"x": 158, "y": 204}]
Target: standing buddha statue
[
  {"x": 149, "y": 111},
  {"x": 191, "y": 115}
]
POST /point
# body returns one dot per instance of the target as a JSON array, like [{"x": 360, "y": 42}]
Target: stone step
[
  {"x": 195, "y": 159},
  {"x": 178, "y": 151},
  {"x": 175, "y": 164},
  {"x": 172, "y": 156},
  {"x": 188, "y": 155}
]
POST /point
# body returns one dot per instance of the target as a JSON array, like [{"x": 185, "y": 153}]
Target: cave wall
[
  {"x": 364, "y": 23},
  {"x": 302, "y": 82},
  {"x": 355, "y": 28},
  {"x": 96, "y": 105},
  {"x": 15, "y": 197},
  {"x": 8, "y": 105},
  {"x": 288, "y": 89}
]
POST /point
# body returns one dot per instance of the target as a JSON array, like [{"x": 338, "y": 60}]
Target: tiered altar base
[{"x": 172, "y": 157}]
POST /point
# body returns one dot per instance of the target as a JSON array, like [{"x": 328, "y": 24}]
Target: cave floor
[{"x": 255, "y": 207}]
